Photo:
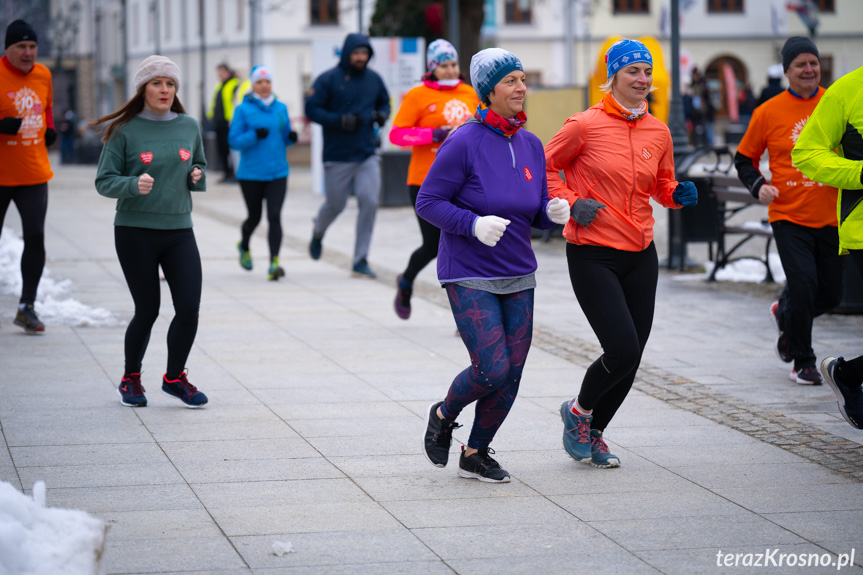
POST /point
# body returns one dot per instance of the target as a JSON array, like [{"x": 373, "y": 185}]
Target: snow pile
[
  {"x": 743, "y": 270},
  {"x": 38, "y": 540},
  {"x": 52, "y": 307}
]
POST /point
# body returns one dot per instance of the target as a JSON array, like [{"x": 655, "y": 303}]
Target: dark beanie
[
  {"x": 795, "y": 46},
  {"x": 19, "y": 31}
]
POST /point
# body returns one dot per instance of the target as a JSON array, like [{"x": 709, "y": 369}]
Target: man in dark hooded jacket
[{"x": 348, "y": 101}]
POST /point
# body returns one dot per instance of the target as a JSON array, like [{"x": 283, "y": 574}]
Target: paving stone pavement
[{"x": 317, "y": 392}]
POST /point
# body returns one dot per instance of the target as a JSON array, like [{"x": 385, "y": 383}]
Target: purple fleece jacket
[{"x": 480, "y": 172}]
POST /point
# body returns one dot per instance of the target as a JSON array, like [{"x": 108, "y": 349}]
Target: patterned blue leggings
[{"x": 496, "y": 329}]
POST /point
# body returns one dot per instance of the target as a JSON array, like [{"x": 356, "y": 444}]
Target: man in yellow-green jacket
[
  {"x": 830, "y": 150},
  {"x": 220, "y": 112}
]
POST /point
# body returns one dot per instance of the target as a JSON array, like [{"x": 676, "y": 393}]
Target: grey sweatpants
[{"x": 366, "y": 179}]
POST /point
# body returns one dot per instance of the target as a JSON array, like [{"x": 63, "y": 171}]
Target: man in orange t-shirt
[
  {"x": 26, "y": 131},
  {"x": 802, "y": 212}
]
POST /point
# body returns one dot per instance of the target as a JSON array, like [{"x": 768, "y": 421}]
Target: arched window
[{"x": 718, "y": 81}]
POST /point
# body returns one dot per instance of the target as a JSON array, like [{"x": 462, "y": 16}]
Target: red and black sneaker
[
  {"x": 184, "y": 391},
  {"x": 131, "y": 391}
]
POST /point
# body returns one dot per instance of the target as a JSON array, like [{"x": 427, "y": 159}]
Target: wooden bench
[{"x": 728, "y": 197}]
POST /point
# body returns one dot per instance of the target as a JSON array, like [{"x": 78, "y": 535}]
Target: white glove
[
  {"x": 557, "y": 211},
  {"x": 489, "y": 229}
]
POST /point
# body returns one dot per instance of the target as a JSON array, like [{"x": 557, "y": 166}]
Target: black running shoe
[
  {"x": 481, "y": 466},
  {"x": 437, "y": 437}
]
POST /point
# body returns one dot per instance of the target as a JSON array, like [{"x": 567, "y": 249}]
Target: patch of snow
[
  {"x": 39, "y": 540},
  {"x": 743, "y": 270},
  {"x": 51, "y": 305}
]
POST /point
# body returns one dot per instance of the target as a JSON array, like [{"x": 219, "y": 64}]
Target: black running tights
[
  {"x": 32, "y": 204},
  {"x": 255, "y": 193},
  {"x": 141, "y": 252},
  {"x": 617, "y": 292},
  {"x": 427, "y": 252}
]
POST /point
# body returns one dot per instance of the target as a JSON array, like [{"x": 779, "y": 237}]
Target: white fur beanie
[{"x": 155, "y": 67}]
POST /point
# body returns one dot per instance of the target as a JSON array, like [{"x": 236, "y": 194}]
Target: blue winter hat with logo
[
  {"x": 489, "y": 66},
  {"x": 438, "y": 52},
  {"x": 625, "y": 52}
]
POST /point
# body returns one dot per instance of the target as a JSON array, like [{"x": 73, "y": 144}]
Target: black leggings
[
  {"x": 851, "y": 372},
  {"x": 32, "y": 204},
  {"x": 427, "y": 252},
  {"x": 617, "y": 292},
  {"x": 254, "y": 193},
  {"x": 141, "y": 252}
]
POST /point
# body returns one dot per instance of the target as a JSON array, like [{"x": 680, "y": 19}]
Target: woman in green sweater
[{"x": 152, "y": 159}]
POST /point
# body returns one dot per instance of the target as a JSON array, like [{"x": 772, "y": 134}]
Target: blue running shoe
[
  {"x": 131, "y": 391},
  {"x": 850, "y": 399},
  {"x": 599, "y": 455},
  {"x": 245, "y": 257},
  {"x": 576, "y": 433},
  {"x": 316, "y": 246},
  {"x": 361, "y": 269},
  {"x": 184, "y": 391}
]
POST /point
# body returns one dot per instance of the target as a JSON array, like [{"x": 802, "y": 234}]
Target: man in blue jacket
[{"x": 348, "y": 101}]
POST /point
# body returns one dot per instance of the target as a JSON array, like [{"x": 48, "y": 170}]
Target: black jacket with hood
[{"x": 342, "y": 90}]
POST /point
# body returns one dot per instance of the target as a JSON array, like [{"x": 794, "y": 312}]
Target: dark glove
[
  {"x": 379, "y": 118},
  {"x": 50, "y": 136},
  {"x": 685, "y": 195},
  {"x": 440, "y": 134},
  {"x": 10, "y": 125},
  {"x": 292, "y": 136},
  {"x": 583, "y": 211},
  {"x": 351, "y": 122},
  {"x": 261, "y": 133}
]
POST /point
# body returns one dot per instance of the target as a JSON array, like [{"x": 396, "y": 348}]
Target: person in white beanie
[
  {"x": 152, "y": 159},
  {"x": 261, "y": 131}
]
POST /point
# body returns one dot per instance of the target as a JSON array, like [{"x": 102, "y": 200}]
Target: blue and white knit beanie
[
  {"x": 260, "y": 73},
  {"x": 625, "y": 52},
  {"x": 489, "y": 66},
  {"x": 438, "y": 52}
]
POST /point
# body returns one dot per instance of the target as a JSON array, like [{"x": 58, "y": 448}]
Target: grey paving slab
[
  {"x": 688, "y": 532},
  {"x": 160, "y": 524},
  {"x": 77, "y": 455},
  {"x": 283, "y": 492},
  {"x": 187, "y": 431},
  {"x": 103, "y": 499},
  {"x": 234, "y": 450},
  {"x": 683, "y": 501},
  {"x": 618, "y": 564},
  {"x": 211, "y": 554},
  {"x": 305, "y": 518},
  {"x": 69, "y": 427},
  {"x": 215, "y": 471},
  {"x": 478, "y": 512},
  {"x": 822, "y": 526},
  {"x": 375, "y": 410},
  {"x": 763, "y": 498},
  {"x": 444, "y": 485},
  {"x": 746, "y": 453},
  {"x": 801, "y": 473},
  {"x": 107, "y": 475},
  {"x": 406, "y": 568},
  {"x": 335, "y": 548}
]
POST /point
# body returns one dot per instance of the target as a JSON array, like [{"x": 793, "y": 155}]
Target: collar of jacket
[
  {"x": 613, "y": 108},
  {"x": 435, "y": 85}
]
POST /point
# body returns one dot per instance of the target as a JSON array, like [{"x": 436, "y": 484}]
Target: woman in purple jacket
[{"x": 485, "y": 190}]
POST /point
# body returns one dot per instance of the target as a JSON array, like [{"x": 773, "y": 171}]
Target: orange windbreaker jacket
[{"x": 618, "y": 162}]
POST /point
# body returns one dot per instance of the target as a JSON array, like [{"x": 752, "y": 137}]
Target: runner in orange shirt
[
  {"x": 427, "y": 114},
  {"x": 802, "y": 212},
  {"x": 26, "y": 131}
]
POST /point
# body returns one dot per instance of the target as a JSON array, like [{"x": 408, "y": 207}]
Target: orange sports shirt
[
  {"x": 774, "y": 127},
  {"x": 425, "y": 107},
  {"x": 24, "y": 156}
]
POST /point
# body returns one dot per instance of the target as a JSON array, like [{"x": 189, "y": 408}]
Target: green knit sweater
[{"x": 167, "y": 151}]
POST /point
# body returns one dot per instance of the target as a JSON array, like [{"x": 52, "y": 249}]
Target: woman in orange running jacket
[
  {"x": 614, "y": 156},
  {"x": 427, "y": 114}
]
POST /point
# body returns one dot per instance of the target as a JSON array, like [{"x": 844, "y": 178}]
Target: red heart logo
[
  {"x": 147, "y": 157},
  {"x": 185, "y": 154}
]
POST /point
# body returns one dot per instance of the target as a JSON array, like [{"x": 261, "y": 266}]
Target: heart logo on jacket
[
  {"x": 147, "y": 157},
  {"x": 185, "y": 154}
]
